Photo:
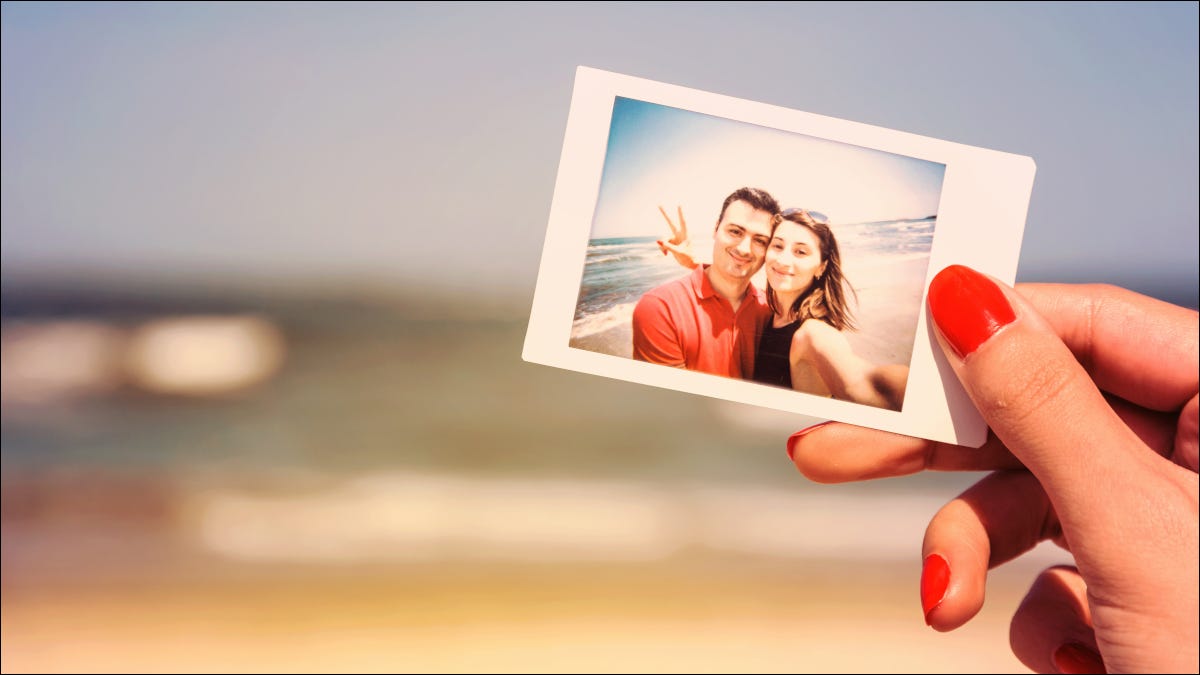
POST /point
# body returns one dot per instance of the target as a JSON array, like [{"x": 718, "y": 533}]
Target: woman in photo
[{"x": 803, "y": 344}]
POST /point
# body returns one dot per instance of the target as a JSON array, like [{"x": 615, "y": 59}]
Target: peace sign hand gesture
[{"x": 679, "y": 245}]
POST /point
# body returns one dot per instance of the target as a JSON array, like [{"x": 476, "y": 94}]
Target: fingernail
[
  {"x": 791, "y": 442},
  {"x": 967, "y": 307},
  {"x": 935, "y": 576},
  {"x": 1073, "y": 658}
]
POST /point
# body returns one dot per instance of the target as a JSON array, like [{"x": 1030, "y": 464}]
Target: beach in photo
[{"x": 885, "y": 262}]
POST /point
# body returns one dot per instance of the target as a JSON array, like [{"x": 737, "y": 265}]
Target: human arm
[
  {"x": 1094, "y": 390},
  {"x": 821, "y": 348}
]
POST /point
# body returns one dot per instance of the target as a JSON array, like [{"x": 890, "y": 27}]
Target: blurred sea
[
  {"x": 373, "y": 382},
  {"x": 367, "y": 383}
]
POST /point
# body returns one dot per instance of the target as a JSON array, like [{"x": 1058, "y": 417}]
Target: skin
[
  {"x": 739, "y": 248},
  {"x": 823, "y": 360},
  {"x": 821, "y": 357},
  {"x": 1091, "y": 395},
  {"x": 794, "y": 260}
]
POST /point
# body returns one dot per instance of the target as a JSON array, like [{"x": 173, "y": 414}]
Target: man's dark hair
[{"x": 759, "y": 199}]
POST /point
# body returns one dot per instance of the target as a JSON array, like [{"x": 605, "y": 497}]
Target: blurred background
[{"x": 266, "y": 269}]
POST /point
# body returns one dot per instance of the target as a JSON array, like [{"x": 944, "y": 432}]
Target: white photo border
[{"x": 980, "y": 222}]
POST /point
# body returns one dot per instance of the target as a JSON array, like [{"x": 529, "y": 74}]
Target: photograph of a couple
[{"x": 753, "y": 253}]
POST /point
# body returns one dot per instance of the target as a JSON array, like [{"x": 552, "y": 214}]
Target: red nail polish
[
  {"x": 935, "y": 576},
  {"x": 968, "y": 308},
  {"x": 1074, "y": 658},
  {"x": 791, "y": 442}
]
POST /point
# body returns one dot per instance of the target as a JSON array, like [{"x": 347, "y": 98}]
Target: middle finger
[{"x": 997, "y": 519}]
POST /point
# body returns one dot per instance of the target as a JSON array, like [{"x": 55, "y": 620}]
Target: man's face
[{"x": 740, "y": 242}]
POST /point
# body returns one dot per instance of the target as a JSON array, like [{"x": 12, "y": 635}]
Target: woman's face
[{"x": 793, "y": 258}]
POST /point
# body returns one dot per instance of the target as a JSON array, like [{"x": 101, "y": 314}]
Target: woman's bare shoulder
[
  {"x": 818, "y": 334},
  {"x": 818, "y": 328}
]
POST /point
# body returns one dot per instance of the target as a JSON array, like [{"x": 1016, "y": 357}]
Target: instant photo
[{"x": 768, "y": 256}]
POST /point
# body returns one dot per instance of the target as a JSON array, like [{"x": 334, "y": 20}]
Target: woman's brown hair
[{"x": 825, "y": 299}]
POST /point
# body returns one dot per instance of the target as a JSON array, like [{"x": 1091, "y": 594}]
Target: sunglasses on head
[{"x": 817, "y": 216}]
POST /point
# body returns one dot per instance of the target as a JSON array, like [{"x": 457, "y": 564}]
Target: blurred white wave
[
  {"x": 413, "y": 517},
  {"x": 204, "y": 355},
  {"x": 46, "y": 362},
  {"x": 55, "y": 360}
]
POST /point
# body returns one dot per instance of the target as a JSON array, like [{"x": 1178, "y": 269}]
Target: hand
[
  {"x": 1110, "y": 476},
  {"x": 678, "y": 244}
]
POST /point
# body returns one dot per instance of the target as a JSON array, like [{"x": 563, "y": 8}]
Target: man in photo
[{"x": 709, "y": 321}]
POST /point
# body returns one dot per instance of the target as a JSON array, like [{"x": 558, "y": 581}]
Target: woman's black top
[{"x": 772, "y": 362}]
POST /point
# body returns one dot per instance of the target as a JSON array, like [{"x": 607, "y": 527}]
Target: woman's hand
[
  {"x": 678, "y": 245},
  {"x": 1091, "y": 394}
]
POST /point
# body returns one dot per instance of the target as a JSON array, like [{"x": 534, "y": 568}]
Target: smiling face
[
  {"x": 794, "y": 258},
  {"x": 740, "y": 242}
]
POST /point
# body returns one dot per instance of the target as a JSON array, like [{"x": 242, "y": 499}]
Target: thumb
[
  {"x": 1042, "y": 404},
  {"x": 1127, "y": 513}
]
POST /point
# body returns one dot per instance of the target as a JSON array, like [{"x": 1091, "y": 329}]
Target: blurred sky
[{"x": 407, "y": 143}]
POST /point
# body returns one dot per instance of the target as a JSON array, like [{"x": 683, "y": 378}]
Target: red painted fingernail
[
  {"x": 791, "y": 442},
  {"x": 935, "y": 576},
  {"x": 1073, "y": 658},
  {"x": 968, "y": 308}
]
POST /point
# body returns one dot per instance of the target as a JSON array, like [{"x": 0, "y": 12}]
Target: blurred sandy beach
[
  {"x": 716, "y": 618},
  {"x": 889, "y": 303},
  {"x": 419, "y": 573}
]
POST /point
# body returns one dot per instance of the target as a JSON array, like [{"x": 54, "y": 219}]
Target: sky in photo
[{"x": 659, "y": 155}]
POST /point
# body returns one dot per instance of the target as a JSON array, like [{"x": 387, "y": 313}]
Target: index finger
[{"x": 836, "y": 453}]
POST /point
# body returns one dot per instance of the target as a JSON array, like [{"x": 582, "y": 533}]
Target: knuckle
[{"x": 1013, "y": 400}]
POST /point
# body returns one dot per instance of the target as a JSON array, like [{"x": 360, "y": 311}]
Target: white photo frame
[{"x": 981, "y": 202}]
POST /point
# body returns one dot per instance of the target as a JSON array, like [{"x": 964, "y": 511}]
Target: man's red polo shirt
[{"x": 684, "y": 323}]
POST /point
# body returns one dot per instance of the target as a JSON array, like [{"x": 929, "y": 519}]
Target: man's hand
[{"x": 678, "y": 245}]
